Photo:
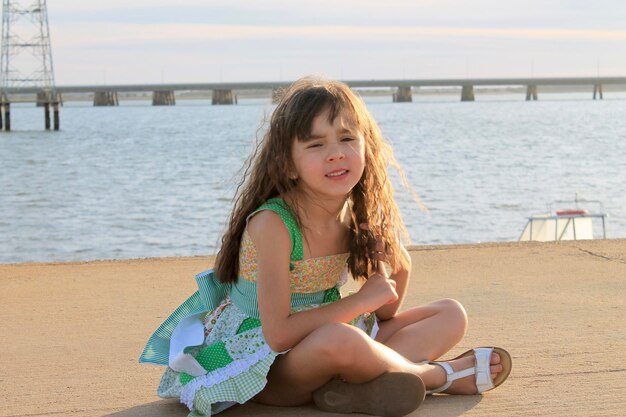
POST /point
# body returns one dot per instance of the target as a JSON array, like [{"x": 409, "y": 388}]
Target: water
[{"x": 143, "y": 181}]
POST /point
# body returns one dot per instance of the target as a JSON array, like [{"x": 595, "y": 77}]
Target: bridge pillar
[
  {"x": 467, "y": 93},
  {"x": 50, "y": 101},
  {"x": 55, "y": 110},
  {"x": 54, "y": 107},
  {"x": 277, "y": 95},
  {"x": 597, "y": 89},
  {"x": 531, "y": 92},
  {"x": 46, "y": 114},
  {"x": 5, "y": 115},
  {"x": 163, "y": 98},
  {"x": 224, "y": 97},
  {"x": 403, "y": 95},
  {"x": 105, "y": 98}
]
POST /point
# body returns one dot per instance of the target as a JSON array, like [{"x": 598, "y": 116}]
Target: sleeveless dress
[{"x": 213, "y": 343}]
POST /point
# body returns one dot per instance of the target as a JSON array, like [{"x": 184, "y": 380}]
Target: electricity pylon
[{"x": 26, "y": 60}]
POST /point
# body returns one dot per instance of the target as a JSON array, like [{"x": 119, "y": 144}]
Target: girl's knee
[
  {"x": 456, "y": 312},
  {"x": 339, "y": 344}
]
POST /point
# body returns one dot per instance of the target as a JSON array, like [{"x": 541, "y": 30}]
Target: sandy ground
[{"x": 71, "y": 333}]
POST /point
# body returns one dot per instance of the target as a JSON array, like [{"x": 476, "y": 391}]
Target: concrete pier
[
  {"x": 76, "y": 329},
  {"x": 224, "y": 97},
  {"x": 105, "y": 98},
  {"x": 163, "y": 98},
  {"x": 403, "y": 95},
  {"x": 597, "y": 90},
  {"x": 467, "y": 93},
  {"x": 531, "y": 92}
]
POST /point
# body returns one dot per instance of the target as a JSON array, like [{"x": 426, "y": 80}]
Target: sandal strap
[
  {"x": 482, "y": 370},
  {"x": 449, "y": 372}
]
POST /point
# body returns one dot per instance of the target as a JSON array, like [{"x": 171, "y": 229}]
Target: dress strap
[{"x": 280, "y": 207}]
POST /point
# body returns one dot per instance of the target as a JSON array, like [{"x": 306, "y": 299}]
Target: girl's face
[{"x": 330, "y": 162}]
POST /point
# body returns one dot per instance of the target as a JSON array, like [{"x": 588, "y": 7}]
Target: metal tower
[{"x": 26, "y": 60}]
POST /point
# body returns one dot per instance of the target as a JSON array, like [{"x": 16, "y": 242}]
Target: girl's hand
[{"x": 377, "y": 291}]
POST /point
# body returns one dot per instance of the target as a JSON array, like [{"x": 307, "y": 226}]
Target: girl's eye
[
  {"x": 314, "y": 145},
  {"x": 347, "y": 139}
]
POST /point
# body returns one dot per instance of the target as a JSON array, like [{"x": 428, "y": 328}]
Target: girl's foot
[{"x": 467, "y": 375}]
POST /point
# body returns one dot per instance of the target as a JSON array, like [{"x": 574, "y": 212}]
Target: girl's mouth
[{"x": 337, "y": 173}]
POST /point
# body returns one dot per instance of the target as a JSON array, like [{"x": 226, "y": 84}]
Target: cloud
[
  {"x": 358, "y": 39},
  {"x": 124, "y": 34}
]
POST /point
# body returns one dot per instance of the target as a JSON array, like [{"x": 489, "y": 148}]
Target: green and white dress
[{"x": 213, "y": 343}]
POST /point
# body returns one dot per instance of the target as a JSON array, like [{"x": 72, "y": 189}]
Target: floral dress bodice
[{"x": 306, "y": 275}]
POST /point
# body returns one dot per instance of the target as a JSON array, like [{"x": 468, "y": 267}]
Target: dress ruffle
[
  {"x": 214, "y": 344},
  {"x": 244, "y": 359},
  {"x": 244, "y": 384},
  {"x": 236, "y": 341},
  {"x": 213, "y": 380}
]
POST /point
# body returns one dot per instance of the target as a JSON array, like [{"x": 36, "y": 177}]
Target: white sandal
[{"x": 481, "y": 369}]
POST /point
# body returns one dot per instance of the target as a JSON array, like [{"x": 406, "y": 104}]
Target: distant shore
[{"x": 72, "y": 332}]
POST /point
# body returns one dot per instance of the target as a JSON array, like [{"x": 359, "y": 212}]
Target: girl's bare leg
[
  {"x": 332, "y": 350},
  {"x": 426, "y": 332},
  {"x": 347, "y": 352}
]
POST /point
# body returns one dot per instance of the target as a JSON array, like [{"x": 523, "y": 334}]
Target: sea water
[{"x": 143, "y": 181}]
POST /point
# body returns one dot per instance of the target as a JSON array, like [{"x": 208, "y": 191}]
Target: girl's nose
[{"x": 334, "y": 153}]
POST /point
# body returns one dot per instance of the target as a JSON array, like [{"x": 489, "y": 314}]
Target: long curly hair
[{"x": 370, "y": 202}]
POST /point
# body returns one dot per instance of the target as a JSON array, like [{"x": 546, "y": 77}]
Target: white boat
[{"x": 569, "y": 223}]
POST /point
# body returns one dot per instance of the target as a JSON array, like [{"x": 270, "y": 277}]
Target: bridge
[
  {"x": 466, "y": 83},
  {"x": 223, "y": 93}
]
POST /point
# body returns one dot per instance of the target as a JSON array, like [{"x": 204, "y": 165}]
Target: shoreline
[
  {"x": 410, "y": 248},
  {"x": 78, "y": 328}
]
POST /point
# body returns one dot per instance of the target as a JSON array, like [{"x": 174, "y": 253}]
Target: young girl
[{"x": 269, "y": 324}]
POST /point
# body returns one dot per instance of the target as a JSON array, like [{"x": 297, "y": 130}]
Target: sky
[{"x": 153, "y": 41}]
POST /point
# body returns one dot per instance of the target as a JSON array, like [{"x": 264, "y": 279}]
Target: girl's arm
[
  {"x": 401, "y": 278},
  {"x": 281, "y": 329}
]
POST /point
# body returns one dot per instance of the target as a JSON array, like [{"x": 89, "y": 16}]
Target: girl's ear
[{"x": 292, "y": 174}]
